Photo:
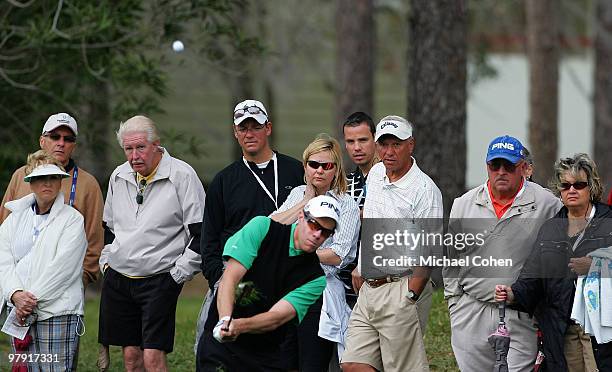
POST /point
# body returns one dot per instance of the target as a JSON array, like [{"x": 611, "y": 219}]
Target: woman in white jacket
[
  {"x": 324, "y": 326},
  {"x": 42, "y": 245}
]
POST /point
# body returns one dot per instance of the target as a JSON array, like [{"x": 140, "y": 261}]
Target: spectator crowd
[{"x": 285, "y": 247}]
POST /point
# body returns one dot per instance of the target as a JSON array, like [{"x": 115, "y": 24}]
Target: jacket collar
[
  {"x": 126, "y": 172},
  {"x": 524, "y": 200},
  {"x": 26, "y": 202},
  {"x": 603, "y": 213}
]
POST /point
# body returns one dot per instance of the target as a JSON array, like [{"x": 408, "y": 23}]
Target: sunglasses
[
  {"x": 243, "y": 129},
  {"x": 140, "y": 191},
  {"x": 495, "y": 164},
  {"x": 315, "y": 165},
  {"x": 56, "y": 137},
  {"x": 314, "y": 225},
  {"x": 253, "y": 110},
  {"x": 577, "y": 185}
]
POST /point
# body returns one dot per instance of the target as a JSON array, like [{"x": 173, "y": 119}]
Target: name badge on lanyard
[{"x": 263, "y": 186}]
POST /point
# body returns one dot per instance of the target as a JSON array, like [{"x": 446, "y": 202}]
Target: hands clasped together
[{"x": 25, "y": 303}]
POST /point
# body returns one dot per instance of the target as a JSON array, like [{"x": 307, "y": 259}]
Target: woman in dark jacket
[{"x": 546, "y": 285}]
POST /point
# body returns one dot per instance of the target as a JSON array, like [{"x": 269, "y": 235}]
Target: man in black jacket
[{"x": 255, "y": 185}]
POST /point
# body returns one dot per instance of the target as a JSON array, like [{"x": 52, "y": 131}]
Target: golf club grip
[{"x": 502, "y": 310}]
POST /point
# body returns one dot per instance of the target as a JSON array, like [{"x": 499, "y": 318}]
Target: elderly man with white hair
[{"x": 153, "y": 218}]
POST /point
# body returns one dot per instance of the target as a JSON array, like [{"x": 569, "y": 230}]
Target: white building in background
[{"x": 500, "y": 106}]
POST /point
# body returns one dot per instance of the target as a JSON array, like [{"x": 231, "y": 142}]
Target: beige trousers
[
  {"x": 386, "y": 328},
  {"x": 578, "y": 350}
]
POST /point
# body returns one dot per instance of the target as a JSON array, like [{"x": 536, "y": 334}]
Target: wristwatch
[{"x": 412, "y": 295}]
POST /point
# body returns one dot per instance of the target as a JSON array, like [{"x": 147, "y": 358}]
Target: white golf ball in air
[{"x": 178, "y": 46}]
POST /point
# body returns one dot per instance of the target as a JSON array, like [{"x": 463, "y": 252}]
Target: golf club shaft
[{"x": 232, "y": 316}]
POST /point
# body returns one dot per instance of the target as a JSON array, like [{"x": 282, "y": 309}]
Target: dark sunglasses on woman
[
  {"x": 315, "y": 164},
  {"x": 577, "y": 185}
]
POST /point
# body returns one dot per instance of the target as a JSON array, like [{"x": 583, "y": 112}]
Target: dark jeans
[
  {"x": 213, "y": 356},
  {"x": 314, "y": 352}
]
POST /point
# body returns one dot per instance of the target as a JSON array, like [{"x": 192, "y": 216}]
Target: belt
[{"x": 377, "y": 282}]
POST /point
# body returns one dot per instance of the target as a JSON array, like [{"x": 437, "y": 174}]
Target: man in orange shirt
[{"x": 507, "y": 211}]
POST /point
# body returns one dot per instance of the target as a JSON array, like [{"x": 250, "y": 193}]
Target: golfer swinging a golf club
[{"x": 272, "y": 276}]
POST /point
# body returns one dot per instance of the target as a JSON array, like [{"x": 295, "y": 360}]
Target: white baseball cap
[
  {"x": 250, "y": 108},
  {"x": 46, "y": 170},
  {"x": 61, "y": 120},
  {"x": 323, "y": 206},
  {"x": 394, "y": 125}
]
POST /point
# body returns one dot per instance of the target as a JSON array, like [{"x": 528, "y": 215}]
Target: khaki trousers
[
  {"x": 386, "y": 328},
  {"x": 578, "y": 350}
]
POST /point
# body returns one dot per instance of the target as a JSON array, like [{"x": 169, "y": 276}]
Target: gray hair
[
  {"x": 573, "y": 166},
  {"x": 138, "y": 124}
]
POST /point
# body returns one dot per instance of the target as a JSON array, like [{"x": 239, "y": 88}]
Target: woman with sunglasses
[
  {"x": 325, "y": 325},
  {"x": 42, "y": 245},
  {"x": 546, "y": 284}
]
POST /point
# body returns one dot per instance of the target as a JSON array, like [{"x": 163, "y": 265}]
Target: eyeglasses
[
  {"x": 576, "y": 185},
  {"x": 495, "y": 164},
  {"x": 253, "y": 110},
  {"x": 140, "y": 191},
  {"x": 243, "y": 129},
  {"x": 314, "y": 225},
  {"x": 315, "y": 164},
  {"x": 56, "y": 137}
]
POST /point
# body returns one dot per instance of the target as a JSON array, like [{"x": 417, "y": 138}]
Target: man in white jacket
[{"x": 153, "y": 218}]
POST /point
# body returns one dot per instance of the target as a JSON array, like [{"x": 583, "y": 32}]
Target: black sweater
[{"x": 234, "y": 197}]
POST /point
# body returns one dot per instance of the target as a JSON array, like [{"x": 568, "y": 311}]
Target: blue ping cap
[{"x": 505, "y": 147}]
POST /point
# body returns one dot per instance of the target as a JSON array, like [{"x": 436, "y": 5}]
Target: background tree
[
  {"x": 355, "y": 35},
  {"x": 99, "y": 61},
  {"x": 543, "y": 56},
  {"x": 603, "y": 92},
  {"x": 437, "y": 93}
]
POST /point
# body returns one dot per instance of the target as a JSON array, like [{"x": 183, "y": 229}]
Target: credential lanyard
[
  {"x": 73, "y": 188},
  {"x": 263, "y": 186}
]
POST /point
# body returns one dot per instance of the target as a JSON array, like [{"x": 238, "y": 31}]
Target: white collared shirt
[{"x": 414, "y": 195}]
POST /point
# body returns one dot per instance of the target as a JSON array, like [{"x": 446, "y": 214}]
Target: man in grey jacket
[
  {"x": 507, "y": 212},
  {"x": 153, "y": 218}
]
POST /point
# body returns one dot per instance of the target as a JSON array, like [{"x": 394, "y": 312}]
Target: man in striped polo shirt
[{"x": 391, "y": 313}]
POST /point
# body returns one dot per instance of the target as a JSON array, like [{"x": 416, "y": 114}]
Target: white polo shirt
[{"x": 414, "y": 195}]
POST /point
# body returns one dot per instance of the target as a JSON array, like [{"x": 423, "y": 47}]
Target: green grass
[{"x": 182, "y": 359}]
